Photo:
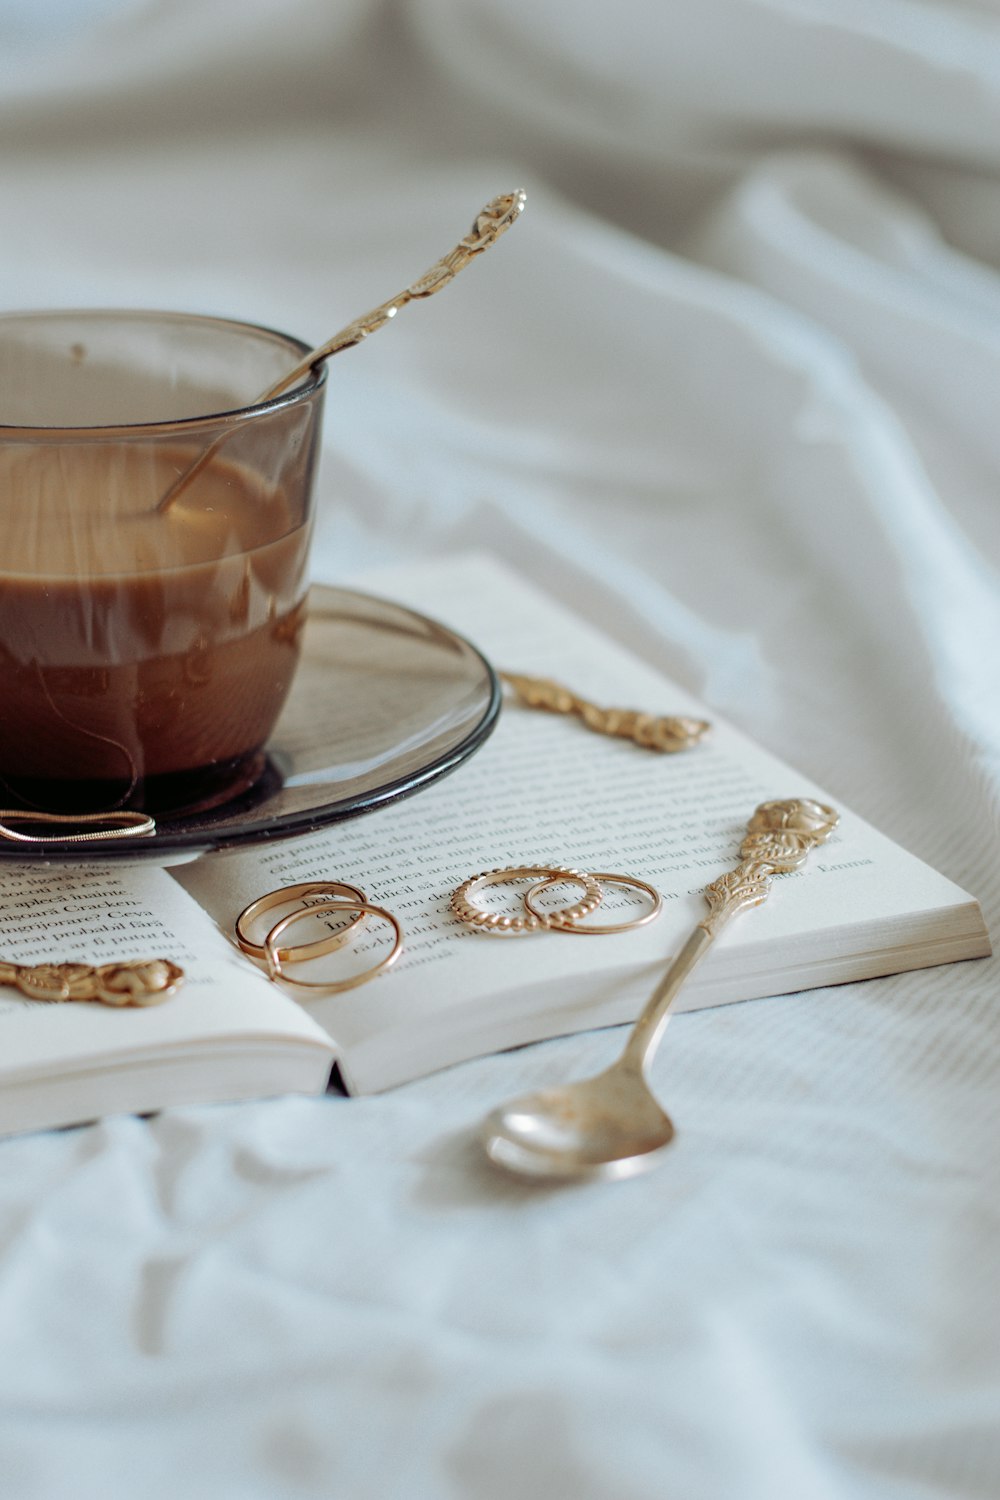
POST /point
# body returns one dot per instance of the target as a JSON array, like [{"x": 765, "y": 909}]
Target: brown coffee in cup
[{"x": 145, "y": 653}]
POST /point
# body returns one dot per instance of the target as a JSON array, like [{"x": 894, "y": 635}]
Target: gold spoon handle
[
  {"x": 653, "y": 732},
  {"x": 139, "y": 982},
  {"x": 779, "y": 838},
  {"x": 489, "y": 224}
]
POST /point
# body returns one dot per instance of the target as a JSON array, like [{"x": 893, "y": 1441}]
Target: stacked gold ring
[
  {"x": 473, "y": 915},
  {"x": 276, "y": 957},
  {"x": 284, "y": 896},
  {"x": 564, "y": 918},
  {"x": 557, "y": 920}
]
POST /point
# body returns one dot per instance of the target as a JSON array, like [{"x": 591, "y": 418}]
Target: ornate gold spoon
[
  {"x": 651, "y": 731},
  {"x": 610, "y": 1125},
  {"x": 143, "y": 981},
  {"x": 490, "y": 223}
]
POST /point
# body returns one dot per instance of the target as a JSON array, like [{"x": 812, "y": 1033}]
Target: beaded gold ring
[
  {"x": 282, "y": 897},
  {"x": 467, "y": 911},
  {"x": 558, "y": 922},
  {"x": 277, "y": 957}
]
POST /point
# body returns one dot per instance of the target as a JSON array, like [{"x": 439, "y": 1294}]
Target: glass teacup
[{"x": 146, "y": 649}]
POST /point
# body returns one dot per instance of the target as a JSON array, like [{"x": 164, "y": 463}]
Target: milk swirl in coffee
[{"x": 144, "y": 656}]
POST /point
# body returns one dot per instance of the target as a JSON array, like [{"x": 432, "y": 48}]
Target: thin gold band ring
[
  {"x": 559, "y": 923},
  {"x": 282, "y": 897},
  {"x": 275, "y": 960},
  {"x": 467, "y": 911}
]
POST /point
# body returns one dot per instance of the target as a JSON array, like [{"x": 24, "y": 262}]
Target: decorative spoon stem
[
  {"x": 653, "y": 732},
  {"x": 611, "y": 1125},
  {"x": 490, "y": 223},
  {"x": 647, "y": 1033},
  {"x": 779, "y": 838},
  {"x": 139, "y": 982}
]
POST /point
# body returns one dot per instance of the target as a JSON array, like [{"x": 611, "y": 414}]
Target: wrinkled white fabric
[{"x": 728, "y": 388}]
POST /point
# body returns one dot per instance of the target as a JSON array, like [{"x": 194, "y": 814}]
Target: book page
[
  {"x": 546, "y": 790},
  {"x": 107, "y": 913}
]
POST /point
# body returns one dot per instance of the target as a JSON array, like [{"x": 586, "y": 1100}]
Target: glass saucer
[{"x": 384, "y": 702}]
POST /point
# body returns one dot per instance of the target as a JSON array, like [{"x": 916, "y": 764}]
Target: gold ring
[
  {"x": 281, "y": 897},
  {"x": 472, "y": 915},
  {"x": 560, "y": 923},
  {"x": 273, "y": 953}
]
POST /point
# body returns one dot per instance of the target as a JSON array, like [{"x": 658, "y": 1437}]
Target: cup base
[{"x": 174, "y": 794}]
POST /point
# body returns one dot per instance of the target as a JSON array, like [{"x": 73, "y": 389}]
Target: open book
[{"x": 543, "y": 790}]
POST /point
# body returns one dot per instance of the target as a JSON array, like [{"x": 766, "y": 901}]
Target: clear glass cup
[{"x": 146, "y": 650}]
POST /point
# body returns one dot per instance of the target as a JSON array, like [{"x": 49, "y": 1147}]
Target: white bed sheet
[{"x": 731, "y": 388}]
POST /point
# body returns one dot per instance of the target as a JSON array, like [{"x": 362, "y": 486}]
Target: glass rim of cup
[{"x": 310, "y": 383}]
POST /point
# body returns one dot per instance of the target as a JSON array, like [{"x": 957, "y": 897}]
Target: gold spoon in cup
[
  {"x": 490, "y": 223},
  {"x": 611, "y": 1125}
]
